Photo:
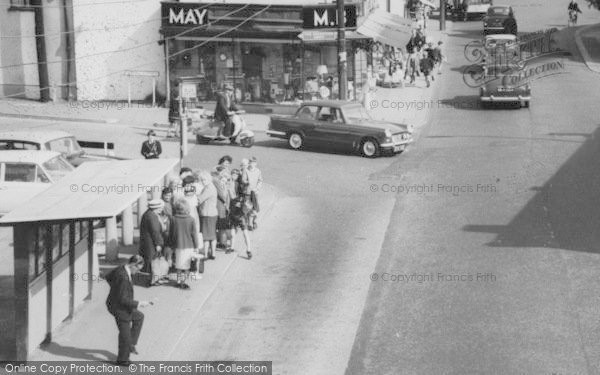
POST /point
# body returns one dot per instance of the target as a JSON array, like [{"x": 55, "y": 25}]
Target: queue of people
[{"x": 198, "y": 214}]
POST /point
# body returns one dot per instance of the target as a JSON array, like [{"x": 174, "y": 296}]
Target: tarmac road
[{"x": 494, "y": 269}]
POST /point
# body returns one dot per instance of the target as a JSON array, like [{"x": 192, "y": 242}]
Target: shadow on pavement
[
  {"x": 564, "y": 213},
  {"x": 78, "y": 353}
]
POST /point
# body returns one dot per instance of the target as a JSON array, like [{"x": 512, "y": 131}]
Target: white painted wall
[
  {"x": 124, "y": 36},
  {"x": 17, "y": 44}
]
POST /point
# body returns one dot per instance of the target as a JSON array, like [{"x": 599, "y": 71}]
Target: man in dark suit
[
  {"x": 224, "y": 106},
  {"x": 151, "y": 236},
  {"x": 151, "y": 148},
  {"x": 123, "y": 307}
]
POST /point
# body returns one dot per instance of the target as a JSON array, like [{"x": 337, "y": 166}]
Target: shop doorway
[{"x": 252, "y": 67}]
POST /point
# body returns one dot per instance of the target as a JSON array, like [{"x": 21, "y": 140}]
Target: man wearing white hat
[{"x": 151, "y": 236}]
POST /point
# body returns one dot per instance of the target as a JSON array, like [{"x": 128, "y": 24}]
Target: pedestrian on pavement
[
  {"x": 430, "y": 54},
  {"x": 220, "y": 176},
  {"x": 184, "y": 236},
  {"x": 151, "y": 148},
  {"x": 166, "y": 217},
  {"x": 426, "y": 67},
  {"x": 191, "y": 197},
  {"x": 255, "y": 181},
  {"x": 226, "y": 161},
  {"x": 124, "y": 307},
  {"x": 411, "y": 66},
  {"x": 207, "y": 206},
  {"x": 439, "y": 56},
  {"x": 151, "y": 237},
  {"x": 241, "y": 206}
]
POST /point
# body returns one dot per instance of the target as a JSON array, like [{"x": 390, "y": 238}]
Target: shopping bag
[{"x": 160, "y": 268}]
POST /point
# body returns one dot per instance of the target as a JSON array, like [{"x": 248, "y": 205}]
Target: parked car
[
  {"x": 500, "y": 19},
  {"x": 338, "y": 124},
  {"x": 54, "y": 140},
  {"x": 503, "y": 84},
  {"x": 26, "y": 173},
  {"x": 469, "y": 9}
]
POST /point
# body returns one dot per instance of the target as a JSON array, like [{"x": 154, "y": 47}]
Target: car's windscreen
[
  {"x": 57, "y": 167},
  {"x": 498, "y": 11},
  {"x": 66, "y": 146},
  {"x": 356, "y": 113}
]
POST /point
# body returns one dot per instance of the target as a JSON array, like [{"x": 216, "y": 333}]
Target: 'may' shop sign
[
  {"x": 184, "y": 15},
  {"x": 325, "y": 17}
]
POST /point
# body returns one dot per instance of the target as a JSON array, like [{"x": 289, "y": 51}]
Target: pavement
[{"x": 166, "y": 321}]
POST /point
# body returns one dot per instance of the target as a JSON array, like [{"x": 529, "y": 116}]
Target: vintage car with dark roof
[
  {"x": 335, "y": 124},
  {"x": 500, "y": 19}
]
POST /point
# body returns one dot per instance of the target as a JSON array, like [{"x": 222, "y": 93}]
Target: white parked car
[
  {"x": 54, "y": 140},
  {"x": 24, "y": 174}
]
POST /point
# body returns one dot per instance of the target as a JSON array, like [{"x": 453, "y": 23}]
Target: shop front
[{"x": 269, "y": 54}]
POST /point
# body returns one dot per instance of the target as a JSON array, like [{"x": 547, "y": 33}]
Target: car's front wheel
[
  {"x": 369, "y": 148},
  {"x": 296, "y": 140}
]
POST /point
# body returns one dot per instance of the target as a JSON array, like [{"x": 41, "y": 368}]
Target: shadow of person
[{"x": 71, "y": 352}]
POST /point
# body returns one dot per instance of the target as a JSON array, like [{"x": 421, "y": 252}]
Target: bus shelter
[{"x": 55, "y": 264}]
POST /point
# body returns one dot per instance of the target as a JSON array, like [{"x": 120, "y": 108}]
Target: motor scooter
[{"x": 208, "y": 131}]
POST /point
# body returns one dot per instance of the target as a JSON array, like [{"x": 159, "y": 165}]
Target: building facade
[
  {"x": 20, "y": 59},
  {"x": 269, "y": 53}
]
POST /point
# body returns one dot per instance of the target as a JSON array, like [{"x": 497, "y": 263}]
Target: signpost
[{"x": 187, "y": 90}]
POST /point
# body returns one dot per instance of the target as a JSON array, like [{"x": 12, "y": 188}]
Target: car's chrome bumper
[
  {"x": 275, "y": 133},
  {"x": 492, "y": 98},
  {"x": 389, "y": 145}
]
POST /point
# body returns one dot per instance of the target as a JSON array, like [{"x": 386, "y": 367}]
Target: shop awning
[
  {"x": 327, "y": 35},
  {"x": 387, "y": 28}
]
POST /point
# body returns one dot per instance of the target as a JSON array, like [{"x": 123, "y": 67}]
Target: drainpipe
[{"x": 40, "y": 43}]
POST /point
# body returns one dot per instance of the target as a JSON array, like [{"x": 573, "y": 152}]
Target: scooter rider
[{"x": 225, "y": 105}]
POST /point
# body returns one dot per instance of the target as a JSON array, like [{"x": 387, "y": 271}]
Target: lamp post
[
  {"x": 342, "y": 73},
  {"x": 442, "y": 15}
]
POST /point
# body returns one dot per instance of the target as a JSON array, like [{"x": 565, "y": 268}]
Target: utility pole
[
  {"x": 40, "y": 43},
  {"x": 342, "y": 73},
  {"x": 442, "y": 15}
]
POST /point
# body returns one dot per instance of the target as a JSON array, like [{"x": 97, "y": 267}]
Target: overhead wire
[
  {"x": 122, "y": 49},
  {"x": 151, "y": 62}
]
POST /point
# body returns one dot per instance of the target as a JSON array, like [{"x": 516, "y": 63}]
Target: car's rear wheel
[
  {"x": 295, "y": 140},
  {"x": 526, "y": 104},
  {"x": 369, "y": 148}
]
